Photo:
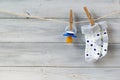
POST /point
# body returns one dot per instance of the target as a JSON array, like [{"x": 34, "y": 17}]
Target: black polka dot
[
  {"x": 105, "y": 33},
  {"x": 86, "y": 54},
  {"x": 88, "y": 41},
  {"x": 105, "y": 49},
  {"x": 91, "y": 44},
  {"x": 98, "y": 34},
  {"x": 94, "y": 49},
  {"x": 98, "y": 53},
  {"x": 101, "y": 45}
]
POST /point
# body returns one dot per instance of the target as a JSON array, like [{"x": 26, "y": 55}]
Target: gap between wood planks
[
  {"x": 67, "y": 66},
  {"x": 76, "y": 43}
]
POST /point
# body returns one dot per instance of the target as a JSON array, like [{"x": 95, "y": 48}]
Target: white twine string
[{"x": 57, "y": 20}]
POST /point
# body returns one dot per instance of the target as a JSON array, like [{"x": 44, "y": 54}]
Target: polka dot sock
[
  {"x": 96, "y": 39},
  {"x": 104, "y": 38}
]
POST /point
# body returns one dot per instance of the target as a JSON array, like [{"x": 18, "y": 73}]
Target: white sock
[{"x": 96, "y": 41}]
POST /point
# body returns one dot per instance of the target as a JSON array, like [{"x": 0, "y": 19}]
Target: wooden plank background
[{"x": 31, "y": 49}]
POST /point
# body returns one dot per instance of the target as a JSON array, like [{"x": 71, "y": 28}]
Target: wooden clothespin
[
  {"x": 71, "y": 20},
  {"x": 69, "y": 38},
  {"x": 89, "y": 16}
]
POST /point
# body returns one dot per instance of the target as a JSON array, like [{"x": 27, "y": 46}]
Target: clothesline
[{"x": 56, "y": 20}]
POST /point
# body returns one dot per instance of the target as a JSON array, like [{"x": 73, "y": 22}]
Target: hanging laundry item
[
  {"x": 96, "y": 39},
  {"x": 70, "y": 31}
]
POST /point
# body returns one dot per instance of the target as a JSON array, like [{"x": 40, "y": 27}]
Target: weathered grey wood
[
  {"x": 117, "y": 2},
  {"x": 31, "y": 49},
  {"x": 53, "y": 54},
  {"x": 32, "y": 30},
  {"x": 59, "y": 8},
  {"x": 59, "y": 73}
]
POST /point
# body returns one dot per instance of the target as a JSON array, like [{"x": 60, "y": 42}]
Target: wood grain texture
[
  {"x": 32, "y": 49},
  {"x": 32, "y": 30},
  {"x": 59, "y": 8},
  {"x": 53, "y": 54},
  {"x": 59, "y": 73}
]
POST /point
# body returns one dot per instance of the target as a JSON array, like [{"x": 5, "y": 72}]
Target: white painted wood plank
[
  {"x": 59, "y": 8},
  {"x": 53, "y": 54},
  {"x": 117, "y": 2},
  {"x": 31, "y": 30},
  {"x": 59, "y": 73},
  {"x": 40, "y": 44}
]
